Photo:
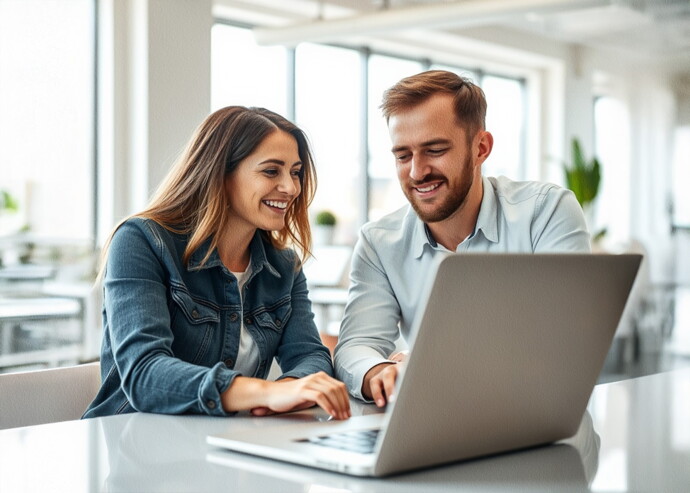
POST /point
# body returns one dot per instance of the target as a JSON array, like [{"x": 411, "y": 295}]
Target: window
[
  {"x": 336, "y": 93},
  {"x": 612, "y": 148},
  {"x": 505, "y": 116},
  {"x": 47, "y": 116},
  {"x": 681, "y": 176},
  {"x": 244, "y": 73},
  {"x": 385, "y": 194},
  {"x": 327, "y": 108}
]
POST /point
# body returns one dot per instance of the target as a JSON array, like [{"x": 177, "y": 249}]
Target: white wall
[{"x": 154, "y": 88}]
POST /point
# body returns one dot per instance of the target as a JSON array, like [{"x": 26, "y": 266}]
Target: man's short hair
[{"x": 469, "y": 100}]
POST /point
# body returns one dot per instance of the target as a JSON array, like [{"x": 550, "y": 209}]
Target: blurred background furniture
[
  {"x": 47, "y": 396},
  {"x": 327, "y": 273},
  {"x": 49, "y": 306}
]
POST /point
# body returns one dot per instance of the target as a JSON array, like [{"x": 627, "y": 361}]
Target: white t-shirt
[{"x": 248, "y": 357}]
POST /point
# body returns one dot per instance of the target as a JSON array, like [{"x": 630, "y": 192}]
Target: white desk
[
  {"x": 640, "y": 441},
  {"x": 17, "y": 310}
]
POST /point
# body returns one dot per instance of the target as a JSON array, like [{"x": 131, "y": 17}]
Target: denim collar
[
  {"x": 487, "y": 222},
  {"x": 256, "y": 249}
]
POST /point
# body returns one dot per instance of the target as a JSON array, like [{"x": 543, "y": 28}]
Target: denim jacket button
[
  {"x": 278, "y": 322},
  {"x": 229, "y": 363},
  {"x": 234, "y": 317},
  {"x": 195, "y": 314},
  {"x": 211, "y": 404},
  {"x": 248, "y": 321}
]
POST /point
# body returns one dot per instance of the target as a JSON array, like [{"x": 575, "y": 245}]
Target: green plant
[
  {"x": 325, "y": 218},
  {"x": 8, "y": 202},
  {"x": 583, "y": 177}
]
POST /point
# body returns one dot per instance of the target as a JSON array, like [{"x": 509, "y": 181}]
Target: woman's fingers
[
  {"x": 327, "y": 392},
  {"x": 336, "y": 393}
]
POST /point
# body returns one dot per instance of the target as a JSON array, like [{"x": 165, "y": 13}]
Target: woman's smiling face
[{"x": 264, "y": 185}]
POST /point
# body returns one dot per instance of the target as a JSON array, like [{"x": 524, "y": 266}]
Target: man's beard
[{"x": 452, "y": 203}]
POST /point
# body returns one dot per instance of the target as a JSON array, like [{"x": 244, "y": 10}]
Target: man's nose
[{"x": 418, "y": 168}]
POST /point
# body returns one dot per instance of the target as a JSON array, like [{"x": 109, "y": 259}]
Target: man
[{"x": 439, "y": 142}]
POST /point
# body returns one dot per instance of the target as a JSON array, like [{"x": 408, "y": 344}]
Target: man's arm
[
  {"x": 370, "y": 323},
  {"x": 559, "y": 224}
]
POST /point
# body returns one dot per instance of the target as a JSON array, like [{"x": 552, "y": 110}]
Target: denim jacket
[{"x": 172, "y": 333}]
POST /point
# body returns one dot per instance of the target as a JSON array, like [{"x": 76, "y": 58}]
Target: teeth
[
  {"x": 274, "y": 203},
  {"x": 429, "y": 188}
]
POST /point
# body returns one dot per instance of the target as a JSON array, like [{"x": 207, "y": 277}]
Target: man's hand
[{"x": 379, "y": 383}]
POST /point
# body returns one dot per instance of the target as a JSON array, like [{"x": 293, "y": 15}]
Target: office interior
[{"x": 98, "y": 98}]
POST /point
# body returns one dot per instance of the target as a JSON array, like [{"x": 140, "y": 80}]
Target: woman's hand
[{"x": 264, "y": 397}]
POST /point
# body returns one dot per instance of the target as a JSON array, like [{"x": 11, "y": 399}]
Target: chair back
[{"x": 47, "y": 396}]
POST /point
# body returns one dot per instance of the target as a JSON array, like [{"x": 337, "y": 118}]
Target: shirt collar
[
  {"x": 421, "y": 236},
  {"x": 487, "y": 222},
  {"x": 256, "y": 248}
]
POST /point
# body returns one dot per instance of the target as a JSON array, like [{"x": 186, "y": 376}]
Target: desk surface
[{"x": 635, "y": 437}]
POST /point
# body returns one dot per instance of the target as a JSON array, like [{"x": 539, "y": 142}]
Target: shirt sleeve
[
  {"x": 370, "y": 322},
  {"x": 301, "y": 351},
  {"x": 559, "y": 224},
  {"x": 135, "y": 301}
]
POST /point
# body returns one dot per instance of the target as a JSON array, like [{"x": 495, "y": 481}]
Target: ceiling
[{"x": 654, "y": 29}]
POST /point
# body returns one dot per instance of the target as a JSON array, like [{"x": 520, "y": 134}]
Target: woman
[{"x": 201, "y": 291}]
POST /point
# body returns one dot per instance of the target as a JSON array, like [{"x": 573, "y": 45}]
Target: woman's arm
[
  {"x": 153, "y": 377},
  {"x": 288, "y": 394}
]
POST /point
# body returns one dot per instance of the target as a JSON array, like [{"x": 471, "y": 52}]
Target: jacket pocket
[
  {"x": 274, "y": 317},
  {"x": 193, "y": 325}
]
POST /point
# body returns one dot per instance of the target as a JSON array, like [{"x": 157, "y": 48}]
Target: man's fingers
[{"x": 389, "y": 382}]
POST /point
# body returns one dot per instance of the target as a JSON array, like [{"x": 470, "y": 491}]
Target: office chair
[{"x": 47, "y": 396}]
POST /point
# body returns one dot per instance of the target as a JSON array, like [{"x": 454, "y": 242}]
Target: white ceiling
[{"x": 656, "y": 30}]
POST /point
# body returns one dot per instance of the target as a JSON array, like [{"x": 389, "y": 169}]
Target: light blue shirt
[{"x": 394, "y": 254}]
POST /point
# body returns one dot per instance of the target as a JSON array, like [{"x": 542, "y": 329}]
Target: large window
[
  {"x": 47, "y": 116},
  {"x": 612, "y": 148},
  {"x": 243, "y": 73},
  {"x": 327, "y": 96},
  {"x": 505, "y": 118},
  {"x": 335, "y": 94},
  {"x": 385, "y": 194}
]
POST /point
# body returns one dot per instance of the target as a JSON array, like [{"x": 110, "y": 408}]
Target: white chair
[{"x": 47, "y": 396}]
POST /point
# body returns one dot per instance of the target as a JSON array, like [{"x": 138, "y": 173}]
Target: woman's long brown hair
[{"x": 191, "y": 199}]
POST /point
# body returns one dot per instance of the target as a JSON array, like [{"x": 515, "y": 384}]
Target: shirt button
[
  {"x": 234, "y": 317},
  {"x": 211, "y": 404},
  {"x": 195, "y": 314},
  {"x": 248, "y": 321},
  {"x": 229, "y": 363}
]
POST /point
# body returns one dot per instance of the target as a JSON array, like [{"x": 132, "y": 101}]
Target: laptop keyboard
[{"x": 362, "y": 442}]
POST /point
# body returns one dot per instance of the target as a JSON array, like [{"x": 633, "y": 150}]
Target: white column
[{"x": 154, "y": 86}]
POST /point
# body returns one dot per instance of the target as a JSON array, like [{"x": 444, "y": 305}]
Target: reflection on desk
[{"x": 147, "y": 452}]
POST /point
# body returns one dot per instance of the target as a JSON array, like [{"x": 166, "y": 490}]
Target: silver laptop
[{"x": 505, "y": 353}]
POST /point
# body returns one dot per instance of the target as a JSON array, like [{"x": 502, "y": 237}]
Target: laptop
[{"x": 505, "y": 353}]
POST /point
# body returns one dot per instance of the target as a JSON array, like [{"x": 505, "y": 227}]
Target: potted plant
[
  {"x": 7, "y": 204},
  {"x": 583, "y": 177},
  {"x": 324, "y": 227}
]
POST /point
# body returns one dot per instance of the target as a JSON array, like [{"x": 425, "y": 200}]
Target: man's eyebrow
[
  {"x": 428, "y": 143},
  {"x": 434, "y": 142}
]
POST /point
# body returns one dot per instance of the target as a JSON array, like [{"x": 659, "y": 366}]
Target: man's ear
[{"x": 483, "y": 143}]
